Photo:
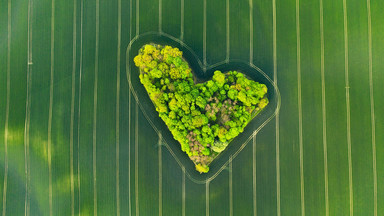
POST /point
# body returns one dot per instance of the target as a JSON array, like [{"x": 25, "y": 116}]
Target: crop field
[{"x": 73, "y": 140}]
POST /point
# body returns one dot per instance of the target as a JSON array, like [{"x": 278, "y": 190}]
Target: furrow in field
[
  {"x": 227, "y": 31},
  {"x": 137, "y": 159},
  {"x": 137, "y": 17},
  {"x": 182, "y": 20},
  {"x": 205, "y": 34},
  {"x": 324, "y": 112},
  {"x": 79, "y": 108},
  {"x": 230, "y": 188},
  {"x": 50, "y": 106},
  {"x": 73, "y": 105},
  {"x": 159, "y": 146},
  {"x": 277, "y": 115},
  {"x": 298, "y": 59},
  {"x": 7, "y": 110},
  {"x": 250, "y": 32},
  {"x": 207, "y": 198},
  {"x": 160, "y": 15},
  {"x": 94, "y": 134},
  {"x": 118, "y": 108},
  {"x": 28, "y": 113},
  {"x": 183, "y": 193},
  {"x": 346, "y": 69},
  {"x": 372, "y": 100}
]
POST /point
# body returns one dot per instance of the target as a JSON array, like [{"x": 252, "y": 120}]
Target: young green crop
[{"x": 203, "y": 117}]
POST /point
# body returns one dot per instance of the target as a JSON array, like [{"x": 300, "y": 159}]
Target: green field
[{"x": 73, "y": 140}]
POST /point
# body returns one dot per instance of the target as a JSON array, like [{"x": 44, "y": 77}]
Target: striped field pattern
[{"x": 73, "y": 140}]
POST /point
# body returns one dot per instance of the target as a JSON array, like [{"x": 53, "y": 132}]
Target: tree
[{"x": 203, "y": 117}]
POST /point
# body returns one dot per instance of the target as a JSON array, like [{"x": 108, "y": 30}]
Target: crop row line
[
  {"x": 73, "y": 106},
  {"x": 323, "y": 108},
  {"x": 94, "y": 141},
  {"x": 129, "y": 121},
  {"x": 118, "y": 108},
  {"x": 28, "y": 113},
  {"x": 373, "y": 126},
  {"x": 7, "y": 109},
  {"x": 300, "y": 107},
  {"x": 348, "y": 107},
  {"x": 50, "y": 106},
  {"x": 79, "y": 108}
]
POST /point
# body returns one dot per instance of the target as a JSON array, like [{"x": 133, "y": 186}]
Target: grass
[{"x": 329, "y": 75}]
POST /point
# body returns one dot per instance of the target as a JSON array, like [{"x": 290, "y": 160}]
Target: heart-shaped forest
[{"x": 204, "y": 117}]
